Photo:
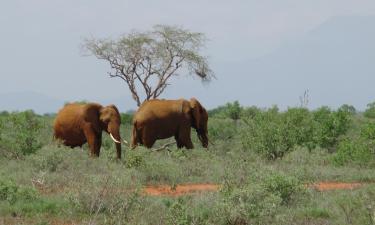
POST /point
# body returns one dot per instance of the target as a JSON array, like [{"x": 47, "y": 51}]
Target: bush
[
  {"x": 126, "y": 118},
  {"x": 230, "y": 110},
  {"x": 50, "y": 160},
  {"x": 370, "y": 111},
  {"x": 178, "y": 212},
  {"x": 359, "y": 151},
  {"x": 368, "y": 131},
  {"x": 329, "y": 126},
  {"x": 265, "y": 136},
  {"x": 299, "y": 127},
  {"x": 19, "y": 134},
  {"x": 256, "y": 203},
  {"x": 348, "y": 109},
  {"x": 248, "y": 204},
  {"x": 273, "y": 134},
  {"x": 11, "y": 193},
  {"x": 221, "y": 129},
  {"x": 353, "y": 151},
  {"x": 285, "y": 187}
]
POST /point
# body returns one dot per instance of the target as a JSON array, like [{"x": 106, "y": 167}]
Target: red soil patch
[
  {"x": 178, "y": 190},
  {"x": 326, "y": 186},
  {"x": 184, "y": 189}
]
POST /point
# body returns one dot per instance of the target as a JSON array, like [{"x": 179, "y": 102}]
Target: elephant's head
[
  {"x": 110, "y": 120},
  {"x": 199, "y": 121}
]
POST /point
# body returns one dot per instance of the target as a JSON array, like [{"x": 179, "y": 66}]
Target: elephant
[
  {"x": 159, "y": 119},
  {"x": 76, "y": 124}
]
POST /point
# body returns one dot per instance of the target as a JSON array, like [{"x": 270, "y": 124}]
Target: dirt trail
[
  {"x": 326, "y": 186},
  {"x": 183, "y": 189},
  {"x": 179, "y": 189}
]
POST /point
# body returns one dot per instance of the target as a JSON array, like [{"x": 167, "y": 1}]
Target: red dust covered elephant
[
  {"x": 158, "y": 119},
  {"x": 76, "y": 124}
]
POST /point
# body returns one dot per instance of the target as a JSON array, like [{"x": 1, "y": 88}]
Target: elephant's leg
[
  {"x": 178, "y": 142},
  {"x": 184, "y": 138},
  {"x": 148, "y": 138},
  {"x": 99, "y": 144},
  {"x": 136, "y": 138},
  {"x": 149, "y": 142},
  {"x": 92, "y": 140}
]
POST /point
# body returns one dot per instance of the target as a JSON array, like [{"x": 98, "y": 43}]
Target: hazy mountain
[
  {"x": 335, "y": 61},
  {"x": 40, "y": 103},
  {"x": 19, "y": 101}
]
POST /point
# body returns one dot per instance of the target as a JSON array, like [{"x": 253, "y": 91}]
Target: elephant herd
[{"x": 76, "y": 124}]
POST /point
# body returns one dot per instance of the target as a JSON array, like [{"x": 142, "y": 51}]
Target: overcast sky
[{"x": 40, "y": 41}]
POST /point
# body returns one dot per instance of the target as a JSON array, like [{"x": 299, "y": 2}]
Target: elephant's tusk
[
  {"x": 114, "y": 139},
  {"x": 125, "y": 142}
]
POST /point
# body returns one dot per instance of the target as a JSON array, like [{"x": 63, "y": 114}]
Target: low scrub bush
[
  {"x": 20, "y": 133},
  {"x": 126, "y": 118},
  {"x": 222, "y": 129},
  {"x": 258, "y": 202},
  {"x": 359, "y": 151},
  {"x": 352, "y": 151},
  {"x": 51, "y": 159},
  {"x": 286, "y": 187},
  {"x": 11, "y": 193},
  {"x": 273, "y": 134},
  {"x": 329, "y": 126},
  {"x": 370, "y": 110}
]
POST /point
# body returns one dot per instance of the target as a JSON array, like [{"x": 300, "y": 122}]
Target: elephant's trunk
[
  {"x": 203, "y": 137},
  {"x": 114, "y": 132}
]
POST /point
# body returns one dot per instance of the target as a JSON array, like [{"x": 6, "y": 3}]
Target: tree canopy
[{"x": 147, "y": 60}]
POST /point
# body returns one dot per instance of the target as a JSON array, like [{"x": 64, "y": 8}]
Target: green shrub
[
  {"x": 248, "y": 203},
  {"x": 229, "y": 110},
  {"x": 233, "y": 110},
  {"x": 368, "y": 131},
  {"x": 178, "y": 212},
  {"x": 348, "y": 109},
  {"x": 370, "y": 110},
  {"x": 10, "y": 192},
  {"x": 273, "y": 134},
  {"x": 353, "y": 151},
  {"x": 329, "y": 126},
  {"x": 221, "y": 129},
  {"x": 285, "y": 187},
  {"x": 49, "y": 161},
  {"x": 257, "y": 202},
  {"x": 298, "y": 126},
  {"x": 19, "y": 134},
  {"x": 264, "y": 135},
  {"x": 134, "y": 159},
  {"x": 126, "y": 118}
]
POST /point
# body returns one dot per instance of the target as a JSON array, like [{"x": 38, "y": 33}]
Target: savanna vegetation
[{"x": 262, "y": 158}]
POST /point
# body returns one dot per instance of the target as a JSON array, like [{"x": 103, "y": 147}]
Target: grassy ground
[{"x": 59, "y": 185}]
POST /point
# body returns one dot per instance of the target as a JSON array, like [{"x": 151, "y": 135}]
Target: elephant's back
[
  {"x": 159, "y": 109},
  {"x": 69, "y": 113},
  {"x": 67, "y": 121}
]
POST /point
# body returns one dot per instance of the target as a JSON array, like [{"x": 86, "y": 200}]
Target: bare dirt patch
[
  {"x": 327, "y": 186},
  {"x": 178, "y": 190},
  {"x": 184, "y": 189}
]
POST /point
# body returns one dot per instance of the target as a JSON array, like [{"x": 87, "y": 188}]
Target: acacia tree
[{"x": 147, "y": 61}]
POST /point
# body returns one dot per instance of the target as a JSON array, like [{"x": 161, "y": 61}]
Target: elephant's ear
[
  {"x": 115, "y": 108},
  {"x": 91, "y": 114},
  {"x": 196, "y": 109}
]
